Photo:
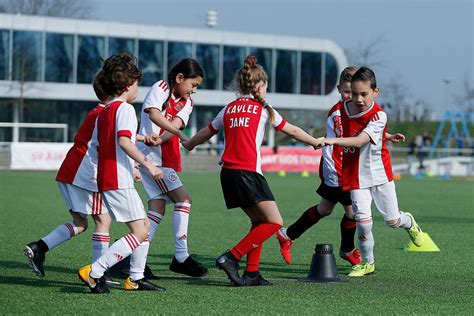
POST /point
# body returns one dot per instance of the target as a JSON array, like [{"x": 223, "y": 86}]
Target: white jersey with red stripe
[
  {"x": 330, "y": 167},
  {"x": 115, "y": 167},
  {"x": 167, "y": 154},
  {"x": 244, "y": 122},
  {"x": 368, "y": 165},
  {"x": 80, "y": 165}
]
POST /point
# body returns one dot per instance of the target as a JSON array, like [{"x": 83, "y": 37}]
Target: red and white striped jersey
[
  {"x": 244, "y": 122},
  {"x": 80, "y": 165},
  {"x": 368, "y": 165},
  {"x": 115, "y": 167},
  {"x": 330, "y": 167},
  {"x": 167, "y": 154}
]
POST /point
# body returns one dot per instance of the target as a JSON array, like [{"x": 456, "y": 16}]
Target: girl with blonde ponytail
[{"x": 243, "y": 121}]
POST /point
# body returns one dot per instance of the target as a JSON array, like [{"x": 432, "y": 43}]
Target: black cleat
[
  {"x": 97, "y": 286},
  {"x": 110, "y": 281},
  {"x": 255, "y": 280},
  {"x": 149, "y": 274},
  {"x": 36, "y": 257},
  {"x": 189, "y": 267},
  {"x": 141, "y": 285},
  {"x": 230, "y": 267}
]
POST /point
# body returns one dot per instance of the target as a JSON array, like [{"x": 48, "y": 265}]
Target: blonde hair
[
  {"x": 247, "y": 79},
  {"x": 347, "y": 73}
]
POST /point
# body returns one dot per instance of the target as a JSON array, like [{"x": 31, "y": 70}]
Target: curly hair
[
  {"x": 119, "y": 72},
  {"x": 247, "y": 79}
]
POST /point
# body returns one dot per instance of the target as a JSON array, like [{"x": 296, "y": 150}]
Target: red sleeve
[
  {"x": 281, "y": 125},
  {"x": 124, "y": 133},
  {"x": 213, "y": 130}
]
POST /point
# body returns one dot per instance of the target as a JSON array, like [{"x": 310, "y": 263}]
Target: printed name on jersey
[
  {"x": 239, "y": 122},
  {"x": 242, "y": 108}
]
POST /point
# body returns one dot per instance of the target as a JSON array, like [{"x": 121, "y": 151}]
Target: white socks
[
  {"x": 61, "y": 234},
  {"x": 138, "y": 260},
  {"x": 366, "y": 239},
  {"x": 155, "y": 219},
  {"x": 100, "y": 244},
  {"x": 180, "y": 230}
]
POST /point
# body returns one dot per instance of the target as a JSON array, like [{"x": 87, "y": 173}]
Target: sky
[{"x": 419, "y": 44}]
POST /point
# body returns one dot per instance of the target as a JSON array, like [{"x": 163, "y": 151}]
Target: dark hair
[
  {"x": 365, "y": 74},
  {"x": 347, "y": 73},
  {"x": 189, "y": 67},
  {"x": 119, "y": 72},
  {"x": 247, "y": 78},
  {"x": 99, "y": 92}
]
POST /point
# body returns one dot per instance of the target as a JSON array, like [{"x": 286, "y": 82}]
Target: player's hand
[
  {"x": 328, "y": 141},
  {"x": 318, "y": 143},
  {"x": 187, "y": 144},
  {"x": 152, "y": 140},
  {"x": 156, "y": 172},
  {"x": 397, "y": 138},
  {"x": 137, "y": 176}
]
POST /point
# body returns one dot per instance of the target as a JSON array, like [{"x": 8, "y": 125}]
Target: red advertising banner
[{"x": 290, "y": 159}]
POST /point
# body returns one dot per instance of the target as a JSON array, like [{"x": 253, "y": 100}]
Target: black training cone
[{"x": 323, "y": 266}]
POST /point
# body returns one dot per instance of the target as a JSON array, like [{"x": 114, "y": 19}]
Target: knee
[
  {"x": 80, "y": 223},
  {"x": 102, "y": 222}
]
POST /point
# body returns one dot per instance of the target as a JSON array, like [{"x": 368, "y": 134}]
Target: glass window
[
  {"x": 59, "y": 57},
  {"x": 233, "y": 60},
  {"x": 6, "y": 115},
  {"x": 331, "y": 73},
  {"x": 264, "y": 58},
  {"x": 4, "y": 53},
  {"x": 285, "y": 76},
  {"x": 178, "y": 51},
  {"x": 26, "y": 56},
  {"x": 90, "y": 50},
  {"x": 311, "y": 73},
  {"x": 120, "y": 45},
  {"x": 151, "y": 61},
  {"x": 208, "y": 57}
]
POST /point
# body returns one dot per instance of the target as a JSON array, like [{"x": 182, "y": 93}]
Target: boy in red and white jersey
[
  {"x": 78, "y": 186},
  {"x": 116, "y": 129},
  {"x": 176, "y": 103},
  {"x": 367, "y": 171}
]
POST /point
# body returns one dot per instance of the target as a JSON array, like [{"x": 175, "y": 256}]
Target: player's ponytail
[{"x": 246, "y": 81}]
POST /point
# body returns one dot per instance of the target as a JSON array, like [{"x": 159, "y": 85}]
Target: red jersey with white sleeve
[
  {"x": 80, "y": 165},
  {"x": 244, "y": 122},
  {"x": 115, "y": 167},
  {"x": 330, "y": 167},
  {"x": 167, "y": 154},
  {"x": 368, "y": 165}
]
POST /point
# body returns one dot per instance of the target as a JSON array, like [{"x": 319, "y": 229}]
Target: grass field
[{"x": 404, "y": 282}]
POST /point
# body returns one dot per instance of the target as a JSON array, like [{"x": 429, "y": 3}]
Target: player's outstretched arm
[
  {"x": 157, "y": 118},
  {"x": 178, "y": 123},
  {"x": 299, "y": 134},
  {"x": 203, "y": 135},
  {"x": 358, "y": 141},
  {"x": 132, "y": 151},
  {"x": 395, "y": 138}
]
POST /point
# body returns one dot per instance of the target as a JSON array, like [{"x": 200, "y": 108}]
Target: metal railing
[{"x": 17, "y": 126}]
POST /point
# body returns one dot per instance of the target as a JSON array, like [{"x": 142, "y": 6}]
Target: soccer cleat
[
  {"x": 353, "y": 257},
  {"x": 97, "y": 286},
  {"x": 110, "y": 281},
  {"x": 362, "y": 269},
  {"x": 230, "y": 267},
  {"x": 256, "y": 280},
  {"x": 36, "y": 258},
  {"x": 416, "y": 235},
  {"x": 189, "y": 267},
  {"x": 285, "y": 247},
  {"x": 141, "y": 285}
]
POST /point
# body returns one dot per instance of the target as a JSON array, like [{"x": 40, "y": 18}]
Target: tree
[
  {"x": 367, "y": 53},
  {"x": 466, "y": 97},
  {"x": 57, "y": 8}
]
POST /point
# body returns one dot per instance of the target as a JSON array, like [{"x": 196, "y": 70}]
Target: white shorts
[
  {"x": 124, "y": 205},
  {"x": 156, "y": 190},
  {"x": 82, "y": 201},
  {"x": 385, "y": 199}
]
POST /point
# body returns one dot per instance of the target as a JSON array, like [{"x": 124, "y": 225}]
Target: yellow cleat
[
  {"x": 416, "y": 235},
  {"x": 362, "y": 269},
  {"x": 130, "y": 285},
  {"x": 84, "y": 273}
]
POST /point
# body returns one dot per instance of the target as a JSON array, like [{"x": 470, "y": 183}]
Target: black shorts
[
  {"x": 244, "y": 188},
  {"x": 334, "y": 194}
]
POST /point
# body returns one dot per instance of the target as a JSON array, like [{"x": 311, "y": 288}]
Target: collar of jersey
[{"x": 358, "y": 114}]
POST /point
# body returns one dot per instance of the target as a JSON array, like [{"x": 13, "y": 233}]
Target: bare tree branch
[{"x": 57, "y": 8}]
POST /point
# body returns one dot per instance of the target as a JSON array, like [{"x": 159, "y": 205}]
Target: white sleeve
[
  {"x": 126, "y": 121},
  {"x": 218, "y": 121},
  {"x": 185, "y": 112},
  {"x": 157, "y": 96},
  {"x": 376, "y": 127},
  {"x": 278, "y": 122}
]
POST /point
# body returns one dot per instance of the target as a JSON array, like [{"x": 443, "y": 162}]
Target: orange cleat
[
  {"x": 285, "y": 247},
  {"x": 353, "y": 257}
]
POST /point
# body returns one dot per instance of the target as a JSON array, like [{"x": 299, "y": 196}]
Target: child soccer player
[
  {"x": 116, "y": 135},
  {"x": 78, "y": 187},
  {"x": 367, "y": 171},
  {"x": 330, "y": 189},
  {"x": 243, "y": 184}
]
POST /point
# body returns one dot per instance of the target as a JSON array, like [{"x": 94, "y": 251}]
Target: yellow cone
[
  {"x": 428, "y": 245},
  {"x": 282, "y": 173},
  {"x": 305, "y": 174}
]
